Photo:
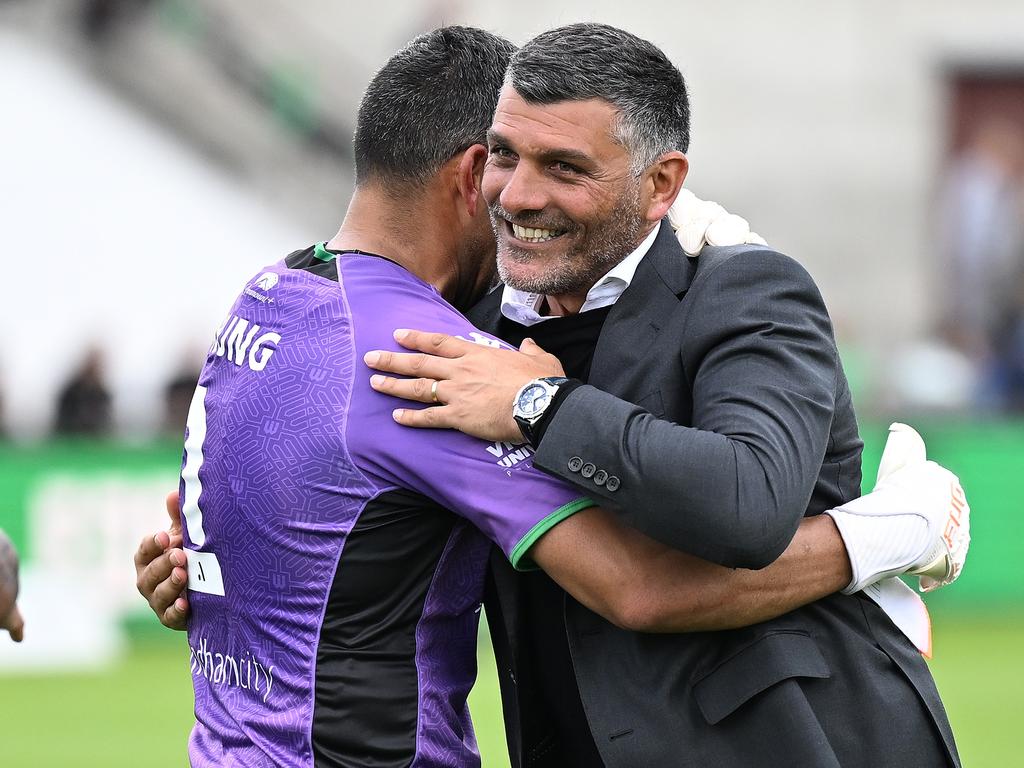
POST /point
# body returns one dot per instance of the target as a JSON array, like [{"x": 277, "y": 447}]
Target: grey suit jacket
[{"x": 718, "y": 404}]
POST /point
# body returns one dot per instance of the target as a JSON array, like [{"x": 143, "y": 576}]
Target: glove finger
[
  {"x": 709, "y": 209},
  {"x": 904, "y": 447},
  {"x": 729, "y": 229},
  {"x": 691, "y": 235},
  {"x": 755, "y": 239}
]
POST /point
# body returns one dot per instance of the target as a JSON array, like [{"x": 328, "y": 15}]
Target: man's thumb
[
  {"x": 904, "y": 448},
  {"x": 173, "y": 512}
]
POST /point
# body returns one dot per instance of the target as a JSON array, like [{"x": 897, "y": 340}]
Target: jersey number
[{"x": 204, "y": 573}]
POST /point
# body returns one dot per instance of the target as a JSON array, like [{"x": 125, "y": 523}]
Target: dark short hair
[
  {"x": 430, "y": 101},
  {"x": 586, "y": 61}
]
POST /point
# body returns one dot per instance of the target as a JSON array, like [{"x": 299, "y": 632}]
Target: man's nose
[{"x": 525, "y": 191}]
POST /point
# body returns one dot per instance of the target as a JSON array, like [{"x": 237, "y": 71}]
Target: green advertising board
[{"x": 91, "y": 501}]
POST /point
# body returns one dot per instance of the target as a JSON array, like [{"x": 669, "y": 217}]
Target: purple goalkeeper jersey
[{"x": 336, "y": 559}]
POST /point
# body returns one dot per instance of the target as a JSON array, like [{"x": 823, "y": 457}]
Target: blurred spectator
[
  {"x": 982, "y": 233},
  {"x": 83, "y": 407},
  {"x": 100, "y": 17},
  {"x": 178, "y": 396},
  {"x": 982, "y": 229},
  {"x": 1007, "y": 370}
]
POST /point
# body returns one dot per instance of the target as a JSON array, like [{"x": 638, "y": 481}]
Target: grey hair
[
  {"x": 430, "y": 101},
  {"x": 585, "y": 61}
]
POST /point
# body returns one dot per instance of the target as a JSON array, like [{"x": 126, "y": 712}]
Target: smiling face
[{"x": 564, "y": 204}]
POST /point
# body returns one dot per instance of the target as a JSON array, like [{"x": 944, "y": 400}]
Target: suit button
[
  {"x": 613, "y": 483},
  {"x": 600, "y": 476},
  {"x": 575, "y": 463},
  {"x": 588, "y": 470}
]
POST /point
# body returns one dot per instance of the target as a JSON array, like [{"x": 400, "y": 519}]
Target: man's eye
[
  {"x": 503, "y": 153},
  {"x": 566, "y": 168}
]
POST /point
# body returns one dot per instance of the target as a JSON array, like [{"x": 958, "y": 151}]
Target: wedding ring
[{"x": 433, "y": 391}]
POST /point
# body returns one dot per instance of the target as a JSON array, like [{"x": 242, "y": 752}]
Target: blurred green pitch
[{"x": 137, "y": 715}]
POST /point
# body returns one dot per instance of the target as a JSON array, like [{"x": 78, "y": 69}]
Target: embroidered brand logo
[{"x": 266, "y": 281}]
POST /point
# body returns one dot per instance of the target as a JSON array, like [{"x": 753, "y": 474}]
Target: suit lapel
[{"x": 639, "y": 315}]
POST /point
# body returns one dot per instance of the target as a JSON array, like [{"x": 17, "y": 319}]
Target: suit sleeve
[{"x": 757, "y": 349}]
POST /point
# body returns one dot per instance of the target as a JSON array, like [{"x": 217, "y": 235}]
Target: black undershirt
[{"x": 572, "y": 340}]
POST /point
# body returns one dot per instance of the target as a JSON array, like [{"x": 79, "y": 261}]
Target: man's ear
[
  {"x": 469, "y": 177},
  {"x": 469, "y": 174},
  {"x": 663, "y": 180}
]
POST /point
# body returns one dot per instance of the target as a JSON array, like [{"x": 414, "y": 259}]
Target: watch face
[{"x": 533, "y": 400}]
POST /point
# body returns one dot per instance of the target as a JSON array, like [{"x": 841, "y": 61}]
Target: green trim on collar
[{"x": 320, "y": 251}]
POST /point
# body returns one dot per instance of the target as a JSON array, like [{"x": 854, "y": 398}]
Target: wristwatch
[{"x": 532, "y": 401}]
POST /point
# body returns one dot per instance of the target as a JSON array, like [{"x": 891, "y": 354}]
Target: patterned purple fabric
[{"x": 286, "y": 444}]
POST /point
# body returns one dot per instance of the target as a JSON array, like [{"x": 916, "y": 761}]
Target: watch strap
[{"x": 539, "y": 427}]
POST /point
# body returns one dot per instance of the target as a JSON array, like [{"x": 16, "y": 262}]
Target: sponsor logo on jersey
[
  {"x": 241, "y": 342},
  {"x": 266, "y": 281},
  {"x": 261, "y": 286},
  {"x": 511, "y": 455},
  {"x": 234, "y": 670},
  {"x": 485, "y": 341}
]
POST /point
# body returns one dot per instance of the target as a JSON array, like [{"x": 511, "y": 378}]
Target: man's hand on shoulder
[
  {"x": 160, "y": 570},
  {"x": 471, "y": 386}
]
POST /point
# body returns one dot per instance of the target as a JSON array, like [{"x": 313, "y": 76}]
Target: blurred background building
[
  {"x": 161, "y": 150},
  {"x": 156, "y": 153}
]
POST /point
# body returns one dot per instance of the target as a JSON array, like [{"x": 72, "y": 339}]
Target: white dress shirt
[{"x": 522, "y": 307}]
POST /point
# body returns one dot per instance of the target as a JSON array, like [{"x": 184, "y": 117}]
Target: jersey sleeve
[{"x": 492, "y": 485}]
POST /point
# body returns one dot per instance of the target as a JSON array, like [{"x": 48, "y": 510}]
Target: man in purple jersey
[{"x": 335, "y": 561}]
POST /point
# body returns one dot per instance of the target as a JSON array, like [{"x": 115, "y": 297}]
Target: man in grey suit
[{"x": 702, "y": 397}]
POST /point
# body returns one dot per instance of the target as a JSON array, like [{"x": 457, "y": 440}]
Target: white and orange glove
[
  {"x": 702, "y": 222},
  {"x": 915, "y": 521}
]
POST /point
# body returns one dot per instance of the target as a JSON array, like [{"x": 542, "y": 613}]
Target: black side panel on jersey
[{"x": 367, "y": 691}]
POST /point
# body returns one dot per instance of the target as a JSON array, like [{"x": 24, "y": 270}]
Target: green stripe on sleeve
[{"x": 518, "y": 559}]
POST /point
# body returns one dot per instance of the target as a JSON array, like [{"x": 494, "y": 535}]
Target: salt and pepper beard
[{"x": 577, "y": 269}]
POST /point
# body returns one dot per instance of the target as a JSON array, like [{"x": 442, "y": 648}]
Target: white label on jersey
[{"x": 204, "y": 572}]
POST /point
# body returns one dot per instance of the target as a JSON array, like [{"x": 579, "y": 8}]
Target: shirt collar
[{"x": 522, "y": 307}]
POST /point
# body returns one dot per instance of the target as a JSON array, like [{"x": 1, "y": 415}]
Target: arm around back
[
  {"x": 641, "y": 585},
  {"x": 760, "y": 368}
]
